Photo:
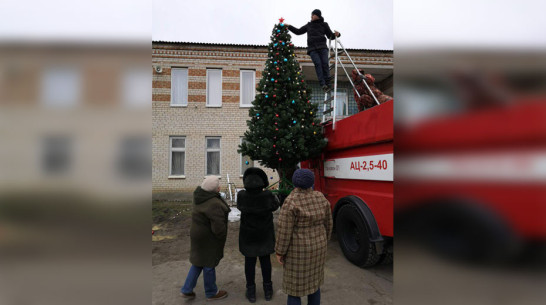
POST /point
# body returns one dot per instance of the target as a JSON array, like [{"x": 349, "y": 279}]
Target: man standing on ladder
[{"x": 316, "y": 31}]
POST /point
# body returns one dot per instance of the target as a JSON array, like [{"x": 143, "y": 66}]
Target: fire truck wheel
[{"x": 354, "y": 238}]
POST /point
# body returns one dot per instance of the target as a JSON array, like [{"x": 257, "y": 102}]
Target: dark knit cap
[
  {"x": 303, "y": 178},
  {"x": 316, "y": 12}
]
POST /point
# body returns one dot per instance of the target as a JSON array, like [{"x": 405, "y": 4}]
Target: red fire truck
[{"x": 355, "y": 173}]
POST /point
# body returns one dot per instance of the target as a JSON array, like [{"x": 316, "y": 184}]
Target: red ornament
[
  {"x": 274, "y": 95},
  {"x": 291, "y": 44},
  {"x": 308, "y": 102},
  {"x": 277, "y": 153},
  {"x": 277, "y": 115},
  {"x": 281, "y": 20},
  {"x": 277, "y": 68},
  {"x": 280, "y": 159},
  {"x": 275, "y": 80},
  {"x": 313, "y": 124},
  {"x": 275, "y": 123},
  {"x": 301, "y": 81},
  {"x": 273, "y": 147},
  {"x": 276, "y": 129},
  {"x": 277, "y": 54}
]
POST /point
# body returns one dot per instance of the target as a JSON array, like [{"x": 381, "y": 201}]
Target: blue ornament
[
  {"x": 266, "y": 96},
  {"x": 289, "y": 78},
  {"x": 275, "y": 62},
  {"x": 294, "y": 121},
  {"x": 282, "y": 24},
  {"x": 293, "y": 102},
  {"x": 285, "y": 59},
  {"x": 283, "y": 43},
  {"x": 257, "y": 114},
  {"x": 275, "y": 44},
  {"x": 278, "y": 31},
  {"x": 272, "y": 79}
]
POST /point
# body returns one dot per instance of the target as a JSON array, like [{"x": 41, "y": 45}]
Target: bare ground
[{"x": 344, "y": 283}]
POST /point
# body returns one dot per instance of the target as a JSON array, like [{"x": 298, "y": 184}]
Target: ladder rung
[
  {"x": 339, "y": 53},
  {"x": 332, "y": 66},
  {"x": 330, "y": 99},
  {"x": 328, "y": 111}
]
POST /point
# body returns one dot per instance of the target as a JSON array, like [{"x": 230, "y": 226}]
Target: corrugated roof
[{"x": 248, "y": 45}]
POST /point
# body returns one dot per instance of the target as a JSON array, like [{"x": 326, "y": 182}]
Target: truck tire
[{"x": 354, "y": 238}]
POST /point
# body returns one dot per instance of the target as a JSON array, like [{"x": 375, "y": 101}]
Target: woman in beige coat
[{"x": 304, "y": 227}]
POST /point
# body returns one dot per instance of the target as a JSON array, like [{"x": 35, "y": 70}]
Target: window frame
[
  {"x": 187, "y": 87},
  {"x": 219, "y": 150},
  {"x": 207, "y": 88},
  {"x": 241, "y": 87},
  {"x": 176, "y": 149}
]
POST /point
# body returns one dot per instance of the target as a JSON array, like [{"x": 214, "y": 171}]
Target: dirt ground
[{"x": 344, "y": 283}]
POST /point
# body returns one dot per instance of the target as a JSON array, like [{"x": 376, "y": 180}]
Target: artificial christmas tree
[{"x": 283, "y": 128}]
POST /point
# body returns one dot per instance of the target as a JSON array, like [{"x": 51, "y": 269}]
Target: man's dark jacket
[{"x": 317, "y": 31}]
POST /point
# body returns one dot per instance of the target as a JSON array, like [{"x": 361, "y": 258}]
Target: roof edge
[{"x": 246, "y": 45}]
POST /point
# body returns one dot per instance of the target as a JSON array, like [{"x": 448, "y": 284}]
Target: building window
[
  {"x": 179, "y": 87},
  {"x": 342, "y": 104},
  {"x": 246, "y": 162},
  {"x": 213, "y": 156},
  {"x": 135, "y": 158},
  {"x": 248, "y": 87},
  {"x": 61, "y": 86},
  {"x": 214, "y": 88},
  {"x": 178, "y": 156},
  {"x": 57, "y": 154},
  {"x": 136, "y": 86}
]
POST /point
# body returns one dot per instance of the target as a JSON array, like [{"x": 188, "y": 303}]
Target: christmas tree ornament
[
  {"x": 293, "y": 102},
  {"x": 281, "y": 20},
  {"x": 246, "y": 162},
  {"x": 285, "y": 60}
]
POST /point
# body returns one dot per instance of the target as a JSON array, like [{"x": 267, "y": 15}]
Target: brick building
[{"x": 201, "y": 95}]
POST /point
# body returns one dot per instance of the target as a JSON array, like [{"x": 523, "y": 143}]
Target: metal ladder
[{"x": 331, "y": 97}]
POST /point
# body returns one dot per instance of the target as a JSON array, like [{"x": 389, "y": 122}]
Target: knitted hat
[
  {"x": 316, "y": 12},
  {"x": 210, "y": 184},
  {"x": 303, "y": 178}
]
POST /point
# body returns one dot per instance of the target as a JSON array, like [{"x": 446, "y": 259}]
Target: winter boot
[
  {"x": 268, "y": 291},
  {"x": 251, "y": 293}
]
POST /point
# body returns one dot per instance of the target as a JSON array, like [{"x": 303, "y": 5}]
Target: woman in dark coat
[
  {"x": 257, "y": 233},
  {"x": 208, "y": 235},
  {"x": 317, "y": 30}
]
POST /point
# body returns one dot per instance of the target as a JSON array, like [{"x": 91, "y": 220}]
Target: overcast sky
[
  {"x": 362, "y": 23},
  {"x": 369, "y": 24}
]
